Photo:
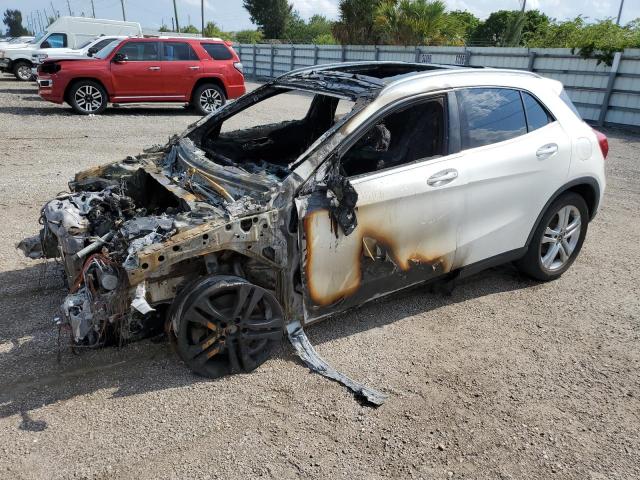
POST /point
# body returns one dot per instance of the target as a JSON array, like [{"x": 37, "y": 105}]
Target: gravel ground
[{"x": 505, "y": 379}]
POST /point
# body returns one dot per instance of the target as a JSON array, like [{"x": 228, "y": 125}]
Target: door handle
[
  {"x": 443, "y": 177},
  {"x": 154, "y": 68},
  {"x": 194, "y": 68},
  {"x": 547, "y": 151}
]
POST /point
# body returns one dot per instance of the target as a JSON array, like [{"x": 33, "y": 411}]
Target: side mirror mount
[
  {"x": 92, "y": 51},
  {"x": 342, "y": 201},
  {"x": 120, "y": 58},
  {"x": 45, "y": 44}
]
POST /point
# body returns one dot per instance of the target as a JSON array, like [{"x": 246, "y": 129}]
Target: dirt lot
[{"x": 505, "y": 379}]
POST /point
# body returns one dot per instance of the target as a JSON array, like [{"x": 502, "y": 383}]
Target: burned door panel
[{"x": 406, "y": 233}]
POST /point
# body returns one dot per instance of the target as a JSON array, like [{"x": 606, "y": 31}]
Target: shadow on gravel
[
  {"x": 20, "y": 91},
  {"x": 52, "y": 109},
  {"x": 31, "y": 375}
]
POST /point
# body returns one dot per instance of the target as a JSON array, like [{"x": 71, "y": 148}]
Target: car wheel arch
[
  {"x": 80, "y": 79},
  {"x": 587, "y": 187},
  {"x": 203, "y": 80}
]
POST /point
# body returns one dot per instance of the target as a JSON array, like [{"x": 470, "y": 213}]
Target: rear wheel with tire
[
  {"x": 22, "y": 70},
  {"x": 224, "y": 324},
  {"x": 208, "y": 98},
  {"x": 87, "y": 97},
  {"x": 558, "y": 238}
]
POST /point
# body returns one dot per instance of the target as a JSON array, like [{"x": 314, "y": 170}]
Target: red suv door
[
  {"x": 137, "y": 75},
  {"x": 180, "y": 68}
]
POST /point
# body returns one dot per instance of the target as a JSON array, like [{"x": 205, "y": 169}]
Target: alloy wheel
[
  {"x": 210, "y": 100},
  {"x": 24, "y": 72},
  {"x": 88, "y": 98},
  {"x": 231, "y": 322},
  {"x": 560, "y": 238}
]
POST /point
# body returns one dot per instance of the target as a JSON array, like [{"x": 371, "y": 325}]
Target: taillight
[
  {"x": 604, "y": 143},
  {"x": 239, "y": 67}
]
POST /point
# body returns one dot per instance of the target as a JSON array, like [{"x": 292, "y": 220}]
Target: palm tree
[{"x": 412, "y": 22}]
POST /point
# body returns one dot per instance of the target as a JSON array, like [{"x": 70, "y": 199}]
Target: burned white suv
[{"x": 390, "y": 175}]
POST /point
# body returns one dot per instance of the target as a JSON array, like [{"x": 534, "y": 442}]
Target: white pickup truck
[{"x": 64, "y": 33}]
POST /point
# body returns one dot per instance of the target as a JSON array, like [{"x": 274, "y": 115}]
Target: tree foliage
[
  {"x": 417, "y": 22},
  {"x": 13, "y": 20},
  {"x": 600, "y": 39},
  {"x": 212, "y": 30},
  {"x": 270, "y": 15},
  {"x": 355, "y": 25},
  {"x": 501, "y": 28},
  {"x": 316, "y": 30},
  {"x": 189, "y": 29},
  {"x": 249, "y": 36}
]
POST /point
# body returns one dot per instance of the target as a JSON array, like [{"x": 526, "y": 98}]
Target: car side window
[
  {"x": 217, "y": 51},
  {"x": 178, "y": 51},
  {"x": 416, "y": 132},
  {"x": 537, "y": 115},
  {"x": 55, "y": 40},
  {"x": 490, "y": 115},
  {"x": 140, "y": 51}
]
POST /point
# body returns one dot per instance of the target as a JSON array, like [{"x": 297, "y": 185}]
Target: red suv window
[
  {"x": 176, "y": 51},
  {"x": 217, "y": 51}
]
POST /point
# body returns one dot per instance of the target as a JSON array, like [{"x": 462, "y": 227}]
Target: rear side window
[
  {"x": 537, "y": 115},
  {"x": 217, "y": 51},
  {"x": 490, "y": 115},
  {"x": 140, "y": 51},
  {"x": 55, "y": 40},
  {"x": 565, "y": 98},
  {"x": 177, "y": 51}
]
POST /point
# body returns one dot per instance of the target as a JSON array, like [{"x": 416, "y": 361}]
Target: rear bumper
[{"x": 235, "y": 91}]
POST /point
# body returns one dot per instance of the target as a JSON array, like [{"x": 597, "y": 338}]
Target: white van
[{"x": 65, "y": 32}]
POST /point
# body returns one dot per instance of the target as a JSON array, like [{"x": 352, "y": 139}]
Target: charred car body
[{"x": 232, "y": 237}]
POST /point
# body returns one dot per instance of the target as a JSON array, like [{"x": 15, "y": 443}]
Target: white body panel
[{"x": 490, "y": 209}]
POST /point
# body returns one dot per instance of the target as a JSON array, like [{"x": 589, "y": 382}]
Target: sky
[{"x": 231, "y": 16}]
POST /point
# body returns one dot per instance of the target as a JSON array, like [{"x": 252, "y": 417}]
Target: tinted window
[
  {"x": 174, "y": 51},
  {"x": 490, "y": 115},
  {"x": 565, "y": 98},
  {"x": 537, "y": 116},
  {"x": 55, "y": 40},
  {"x": 140, "y": 51},
  {"x": 101, "y": 44},
  {"x": 217, "y": 51}
]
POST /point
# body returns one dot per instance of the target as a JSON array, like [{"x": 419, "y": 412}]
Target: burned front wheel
[{"x": 224, "y": 324}]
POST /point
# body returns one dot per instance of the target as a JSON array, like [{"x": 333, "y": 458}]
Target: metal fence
[{"x": 602, "y": 94}]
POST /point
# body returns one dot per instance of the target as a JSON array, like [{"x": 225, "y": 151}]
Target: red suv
[{"x": 199, "y": 71}]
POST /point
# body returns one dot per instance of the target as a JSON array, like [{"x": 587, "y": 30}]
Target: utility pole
[
  {"x": 524, "y": 5},
  {"x": 202, "y": 16},
  {"x": 124, "y": 15},
  {"x": 93, "y": 9},
  {"x": 69, "y": 7},
  {"x": 175, "y": 12},
  {"x": 173, "y": 27},
  {"x": 53, "y": 9},
  {"x": 620, "y": 12},
  {"x": 40, "y": 20}
]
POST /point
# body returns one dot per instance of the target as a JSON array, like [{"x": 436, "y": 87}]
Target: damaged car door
[{"x": 387, "y": 214}]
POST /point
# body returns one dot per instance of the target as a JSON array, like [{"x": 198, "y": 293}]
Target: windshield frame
[{"x": 39, "y": 36}]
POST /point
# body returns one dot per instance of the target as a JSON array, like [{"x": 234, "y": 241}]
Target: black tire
[
  {"x": 22, "y": 70},
  {"x": 532, "y": 263},
  {"x": 94, "y": 100},
  {"x": 215, "y": 98},
  {"x": 224, "y": 324}
]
